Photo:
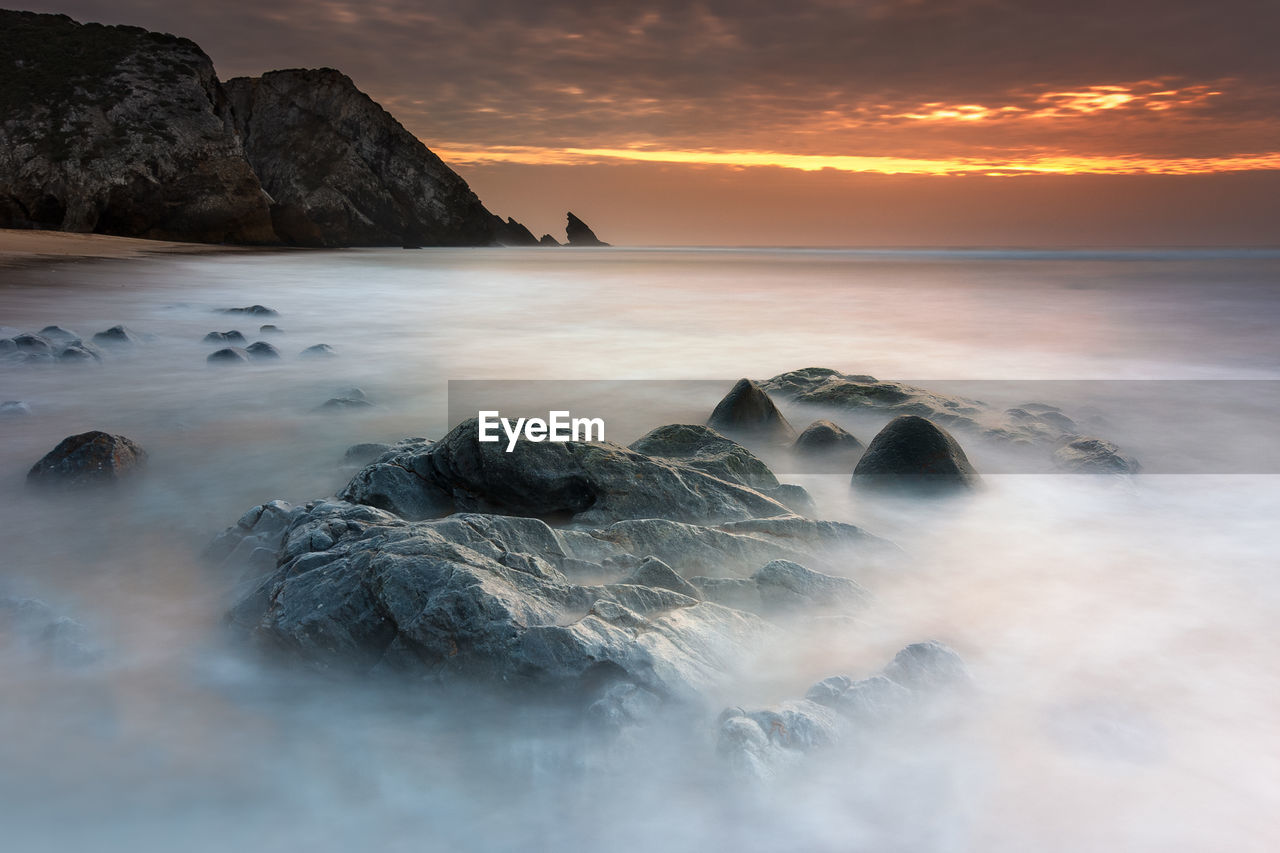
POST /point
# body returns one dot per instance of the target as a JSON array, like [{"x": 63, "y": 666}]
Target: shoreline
[{"x": 21, "y": 248}]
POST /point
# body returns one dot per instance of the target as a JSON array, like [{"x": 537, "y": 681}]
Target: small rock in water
[
  {"x": 270, "y": 329},
  {"x": 319, "y": 351},
  {"x": 346, "y": 403},
  {"x": 14, "y": 409},
  {"x": 915, "y": 454},
  {"x": 32, "y": 344},
  {"x": 253, "y": 311},
  {"x": 747, "y": 411},
  {"x": 57, "y": 334},
  {"x": 262, "y": 350},
  {"x": 78, "y": 352},
  {"x": 822, "y": 438},
  {"x": 1087, "y": 455},
  {"x": 32, "y": 626},
  {"x": 228, "y": 355},
  {"x": 117, "y": 336},
  {"x": 88, "y": 458},
  {"x": 231, "y": 337}
]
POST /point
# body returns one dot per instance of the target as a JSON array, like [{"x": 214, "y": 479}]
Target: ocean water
[{"x": 1122, "y": 638}]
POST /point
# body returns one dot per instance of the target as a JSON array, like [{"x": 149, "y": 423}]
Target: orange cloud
[{"x": 1147, "y": 94}]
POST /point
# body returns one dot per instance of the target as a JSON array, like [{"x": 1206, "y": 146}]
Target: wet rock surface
[{"x": 1087, "y": 455}]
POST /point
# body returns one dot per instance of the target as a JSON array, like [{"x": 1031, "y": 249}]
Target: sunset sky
[{"x": 809, "y": 122}]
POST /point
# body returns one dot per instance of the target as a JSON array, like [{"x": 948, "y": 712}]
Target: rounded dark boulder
[
  {"x": 318, "y": 351},
  {"x": 86, "y": 459},
  {"x": 915, "y": 454},
  {"x": 228, "y": 355},
  {"x": 748, "y": 412},
  {"x": 262, "y": 350},
  {"x": 824, "y": 437},
  {"x": 117, "y": 336},
  {"x": 231, "y": 337}
]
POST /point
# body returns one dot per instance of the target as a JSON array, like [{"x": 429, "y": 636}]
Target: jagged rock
[
  {"x": 319, "y": 351},
  {"x": 512, "y": 233},
  {"x": 88, "y": 458},
  {"x": 826, "y": 440},
  {"x": 747, "y": 411},
  {"x": 654, "y": 572},
  {"x": 249, "y": 548},
  {"x": 580, "y": 482},
  {"x": 475, "y": 597},
  {"x": 117, "y": 336},
  {"x": 914, "y": 454},
  {"x": 120, "y": 131},
  {"x": 228, "y": 355},
  {"x": 1088, "y": 455},
  {"x": 231, "y": 337},
  {"x": 342, "y": 171},
  {"x": 253, "y": 311},
  {"x": 579, "y": 234},
  {"x": 548, "y": 240},
  {"x": 14, "y": 409},
  {"x": 261, "y": 350}
]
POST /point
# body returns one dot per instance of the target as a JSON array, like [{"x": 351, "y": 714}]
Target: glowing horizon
[{"x": 1012, "y": 166}]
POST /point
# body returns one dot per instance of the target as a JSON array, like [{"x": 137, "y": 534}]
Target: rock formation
[
  {"x": 579, "y": 234},
  {"x": 825, "y": 439},
  {"x": 117, "y": 130},
  {"x": 342, "y": 171},
  {"x": 512, "y": 233}
]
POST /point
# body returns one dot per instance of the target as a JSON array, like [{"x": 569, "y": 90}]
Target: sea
[{"x": 1122, "y": 635}]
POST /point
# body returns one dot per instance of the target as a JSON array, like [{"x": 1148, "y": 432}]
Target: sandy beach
[{"x": 22, "y": 248}]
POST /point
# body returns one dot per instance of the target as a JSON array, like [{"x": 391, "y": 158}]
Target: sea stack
[{"x": 579, "y": 234}]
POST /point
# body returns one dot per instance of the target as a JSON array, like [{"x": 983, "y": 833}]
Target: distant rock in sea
[
  {"x": 548, "y": 240},
  {"x": 580, "y": 235},
  {"x": 117, "y": 130},
  {"x": 512, "y": 233},
  {"x": 342, "y": 171}
]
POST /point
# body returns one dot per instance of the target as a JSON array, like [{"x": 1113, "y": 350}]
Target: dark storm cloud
[{"x": 815, "y": 76}]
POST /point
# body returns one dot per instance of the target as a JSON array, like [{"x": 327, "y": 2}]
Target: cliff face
[
  {"x": 117, "y": 130},
  {"x": 343, "y": 171}
]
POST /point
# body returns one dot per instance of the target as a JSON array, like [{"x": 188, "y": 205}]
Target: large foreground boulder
[
  {"x": 911, "y": 453},
  {"x": 746, "y": 411},
  {"x": 570, "y": 482},
  {"x": 480, "y": 598},
  {"x": 88, "y": 458}
]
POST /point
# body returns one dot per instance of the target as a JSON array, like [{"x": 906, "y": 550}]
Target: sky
[{"x": 808, "y": 122}]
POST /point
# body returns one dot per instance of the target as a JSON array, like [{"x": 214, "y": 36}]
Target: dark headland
[{"x": 117, "y": 130}]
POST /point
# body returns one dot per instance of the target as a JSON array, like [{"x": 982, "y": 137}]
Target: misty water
[{"x": 1121, "y": 635}]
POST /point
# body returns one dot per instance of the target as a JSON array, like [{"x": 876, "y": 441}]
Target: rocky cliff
[
  {"x": 343, "y": 171},
  {"x": 117, "y": 130}
]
